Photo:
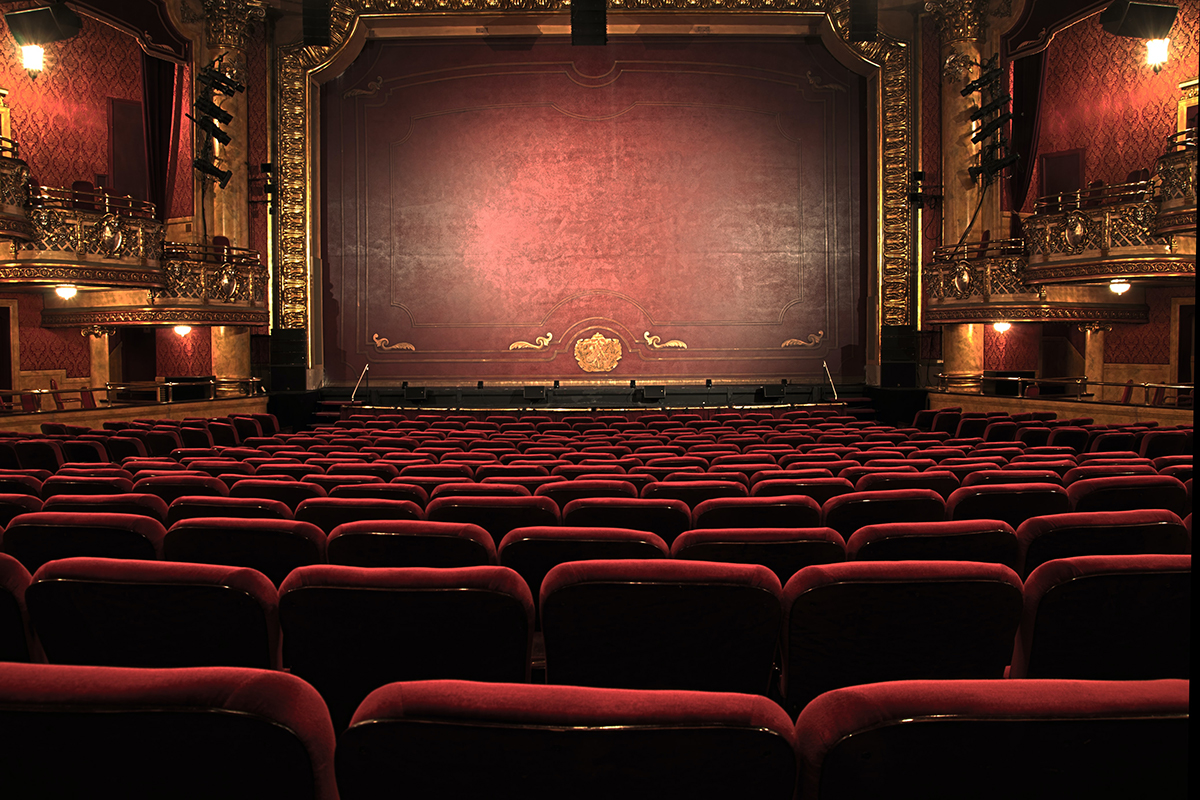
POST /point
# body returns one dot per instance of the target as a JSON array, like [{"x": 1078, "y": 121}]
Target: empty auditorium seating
[
  {"x": 848, "y": 512},
  {"x": 1129, "y": 492},
  {"x": 33, "y": 539},
  {"x": 665, "y": 518},
  {"x": 564, "y": 741},
  {"x": 1013, "y": 502},
  {"x": 784, "y": 551},
  {"x": 865, "y": 621},
  {"x": 134, "y": 613},
  {"x": 1046, "y": 538},
  {"x": 329, "y": 512},
  {"x": 273, "y": 546},
  {"x": 653, "y": 624},
  {"x": 795, "y": 511},
  {"x": 1043, "y": 739},
  {"x": 962, "y": 540},
  {"x": 496, "y": 515},
  {"x": 14, "y": 622},
  {"x": 350, "y": 630},
  {"x": 243, "y": 507},
  {"x": 410, "y": 543},
  {"x": 235, "y": 733}
]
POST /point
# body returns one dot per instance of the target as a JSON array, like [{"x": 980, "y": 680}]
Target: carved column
[
  {"x": 98, "y": 344},
  {"x": 961, "y": 25},
  {"x": 229, "y": 208},
  {"x": 1093, "y": 354}
]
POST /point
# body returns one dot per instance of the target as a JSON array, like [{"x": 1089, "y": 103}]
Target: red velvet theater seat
[
  {"x": 169, "y": 487},
  {"x": 985, "y": 540},
  {"x": 1107, "y": 618},
  {"x": 693, "y": 492},
  {"x": 410, "y": 543},
  {"x": 795, "y": 511},
  {"x": 1102, "y": 470},
  {"x": 819, "y": 489},
  {"x": 1129, "y": 492},
  {"x": 14, "y": 505},
  {"x": 565, "y": 742},
  {"x": 866, "y": 621},
  {"x": 274, "y": 547},
  {"x": 34, "y": 539},
  {"x": 533, "y": 552},
  {"x": 665, "y": 518},
  {"x": 496, "y": 515},
  {"x": 657, "y": 624},
  {"x": 1012, "y": 502},
  {"x": 784, "y": 551},
  {"x": 941, "y": 481},
  {"x": 243, "y": 734},
  {"x": 290, "y": 493},
  {"x": 563, "y": 492},
  {"x": 145, "y": 505},
  {"x": 84, "y": 485},
  {"x": 848, "y": 512},
  {"x": 993, "y": 477},
  {"x": 185, "y": 507},
  {"x": 329, "y": 512},
  {"x": 1039, "y": 739},
  {"x": 14, "y": 621},
  {"x": 1043, "y": 539},
  {"x": 131, "y": 613},
  {"x": 350, "y": 630}
]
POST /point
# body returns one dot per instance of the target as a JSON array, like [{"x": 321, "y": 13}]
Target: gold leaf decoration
[
  {"x": 598, "y": 353},
  {"x": 813, "y": 340},
  {"x": 540, "y": 343},
  {"x": 658, "y": 344},
  {"x": 382, "y": 344}
]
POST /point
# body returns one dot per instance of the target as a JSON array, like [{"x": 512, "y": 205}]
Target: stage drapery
[{"x": 656, "y": 209}]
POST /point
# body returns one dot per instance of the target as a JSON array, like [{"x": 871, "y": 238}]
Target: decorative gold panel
[
  {"x": 298, "y": 97},
  {"x": 598, "y": 353}
]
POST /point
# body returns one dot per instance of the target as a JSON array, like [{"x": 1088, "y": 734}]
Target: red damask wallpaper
[
  {"x": 1149, "y": 343},
  {"x": 931, "y": 132},
  {"x": 60, "y": 120},
  {"x": 1016, "y": 348},
  {"x": 487, "y": 209},
  {"x": 1102, "y": 97},
  {"x": 183, "y": 200},
  {"x": 258, "y": 81},
  {"x": 48, "y": 348},
  {"x": 178, "y": 356}
]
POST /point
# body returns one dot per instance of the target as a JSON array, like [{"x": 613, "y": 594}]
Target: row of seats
[
  {"x": 627, "y": 623},
  {"x": 245, "y": 734}
]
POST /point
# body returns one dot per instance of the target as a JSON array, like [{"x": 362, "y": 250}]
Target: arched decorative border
[{"x": 895, "y": 258}]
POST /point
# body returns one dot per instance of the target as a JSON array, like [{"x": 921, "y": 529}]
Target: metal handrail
[
  {"x": 1095, "y": 197},
  {"x": 992, "y": 248},
  {"x": 96, "y": 201},
  {"x": 1082, "y": 382},
  {"x": 1182, "y": 140},
  {"x": 217, "y": 254},
  {"x": 9, "y": 148},
  {"x": 252, "y": 387}
]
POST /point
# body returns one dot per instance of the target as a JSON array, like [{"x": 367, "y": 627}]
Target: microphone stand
[
  {"x": 360, "y": 379},
  {"x": 827, "y": 375}
]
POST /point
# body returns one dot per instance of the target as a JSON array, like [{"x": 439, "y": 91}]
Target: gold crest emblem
[{"x": 598, "y": 353}]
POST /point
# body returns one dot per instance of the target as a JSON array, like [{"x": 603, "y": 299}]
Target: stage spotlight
[
  {"x": 222, "y": 176},
  {"x": 219, "y": 82}
]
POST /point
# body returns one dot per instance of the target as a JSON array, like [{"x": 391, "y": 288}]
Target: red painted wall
[
  {"x": 1016, "y": 348},
  {"x": 1101, "y": 96},
  {"x": 1149, "y": 343},
  {"x": 178, "y": 356},
  {"x": 48, "y": 348},
  {"x": 708, "y": 192}
]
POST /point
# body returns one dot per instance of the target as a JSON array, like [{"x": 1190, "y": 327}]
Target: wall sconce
[
  {"x": 1119, "y": 287},
  {"x": 33, "y": 59},
  {"x": 1001, "y": 327},
  {"x": 66, "y": 291},
  {"x": 1156, "y": 53},
  {"x": 34, "y": 27},
  {"x": 183, "y": 330}
]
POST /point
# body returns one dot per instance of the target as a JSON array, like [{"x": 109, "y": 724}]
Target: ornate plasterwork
[
  {"x": 384, "y": 345},
  {"x": 1017, "y": 312},
  {"x": 813, "y": 340},
  {"x": 113, "y": 317},
  {"x": 226, "y": 23},
  {"x": 657, "y": 343},
  {"x": 1183, "y": 266},
  {"x": 296, "y": 91},
  {"x": 959, "y": 20},
  {"x": 598, "y": 353},
  {"x": 540, "y": 343}
]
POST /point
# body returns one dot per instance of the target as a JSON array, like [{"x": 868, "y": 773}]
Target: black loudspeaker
[
  {"x": 288, "y": 379},
  {"x": 315, "y": 25},
  {"x": 898, "y": 343},
  {"x": 414, "y": 392},
  {"x": 534, "y": 393},
  {"x": 864, "y": 21},
  {"x": 1139, "y": 20},
  {"x": 589, "y": 22},
  {"x": 289, "y": 347},
  {"x": 654, "y": 392},
  {"x": 771, "y": 392}
]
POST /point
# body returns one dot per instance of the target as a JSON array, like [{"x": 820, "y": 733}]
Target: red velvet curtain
[
  {"x": 1029, "y": 75},
  {"x": 161, "y": 111}
]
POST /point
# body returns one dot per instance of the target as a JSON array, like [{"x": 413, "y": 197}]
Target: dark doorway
[
  {"x": 5, "y": 348},
  {"x": 1187, "y": 346},
  {"x": 138, "y": 354}
]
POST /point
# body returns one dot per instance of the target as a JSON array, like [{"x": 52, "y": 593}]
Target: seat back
[
  {"x": 329, "y": 512},
  {"x": 784, "y": 551},
  {"x": 222, "y": 732},
  {"x": 848, "y": 512},
  {"x": 410, "y": 543},
  {"x": 867, "y": 621},
  {"x": 273, "y": 546},
  {"x": 133, "y": 613},
  {"x": 14, "y": 621},
  {"x": 1129, "y": 492},
  {"x": 652, "y": 624},
  {"x": 795, "y": 511},
  {"x": 145, "y": 505},
  {"x": 1041, "y": 739},
  {"x": 186, "y": 507},
  {"x": 33, "y": 539},
  {"x": 350, "y": 630},
  {"x": 496, "y": 515},
  {"x": 565, "y": 741},
  {"x": 985, "y": 540},
  {"x": 665, "y": 518},
  {"x": 1107, "y": 618},
  {"x": 1011, "y": 502},
  {"x": 1043, "y": 539}
]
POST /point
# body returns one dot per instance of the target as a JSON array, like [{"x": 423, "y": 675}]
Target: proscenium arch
[{"x": 886, "y": 63}]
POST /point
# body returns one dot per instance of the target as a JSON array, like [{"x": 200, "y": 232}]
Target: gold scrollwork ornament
[
  {"x": 813, "y": 340},
  {"x": 598, "y": 353},
  {"x": 658, "y": 344},
  {"x": 542, "y": 342},
  {"x": 383, "y": 345}
]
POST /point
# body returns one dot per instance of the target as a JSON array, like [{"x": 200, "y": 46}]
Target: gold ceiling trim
[{"x": 891, "y": 93}]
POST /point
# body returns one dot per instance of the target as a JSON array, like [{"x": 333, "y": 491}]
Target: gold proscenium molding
[
  {"x": 542, "y": 342},
  {"x": 598, "y": 353},
  {"x": 298, "y": 64},
  {"x": 658, "y": 344},
  {"x": 813, "y": 340},
  {"x": 383, "y": 345}
]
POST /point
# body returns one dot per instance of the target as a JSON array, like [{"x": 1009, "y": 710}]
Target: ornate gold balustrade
[
  {"x": 85, "y": 239},
  {"x": 1176, "y": 186},
  {"x": 987, "y": 282},
  {"x": 1103, "y": 233},
  {"x": 14, "y": 192},
  {"x": 200, "y": 285}
]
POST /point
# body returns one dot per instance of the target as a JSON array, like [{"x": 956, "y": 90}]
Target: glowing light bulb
[
  {"x": 183, "y": 330},
  {"x": 1156, "y": 53},
  {"x": 65, "y": 292},
  {"x": 1001, "y": 327},
  {"x": 33, "y": 58},
  {"x": 1119, "y": 287}
]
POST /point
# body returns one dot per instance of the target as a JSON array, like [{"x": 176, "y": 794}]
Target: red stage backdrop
[{"x": 666, "y": 210}]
